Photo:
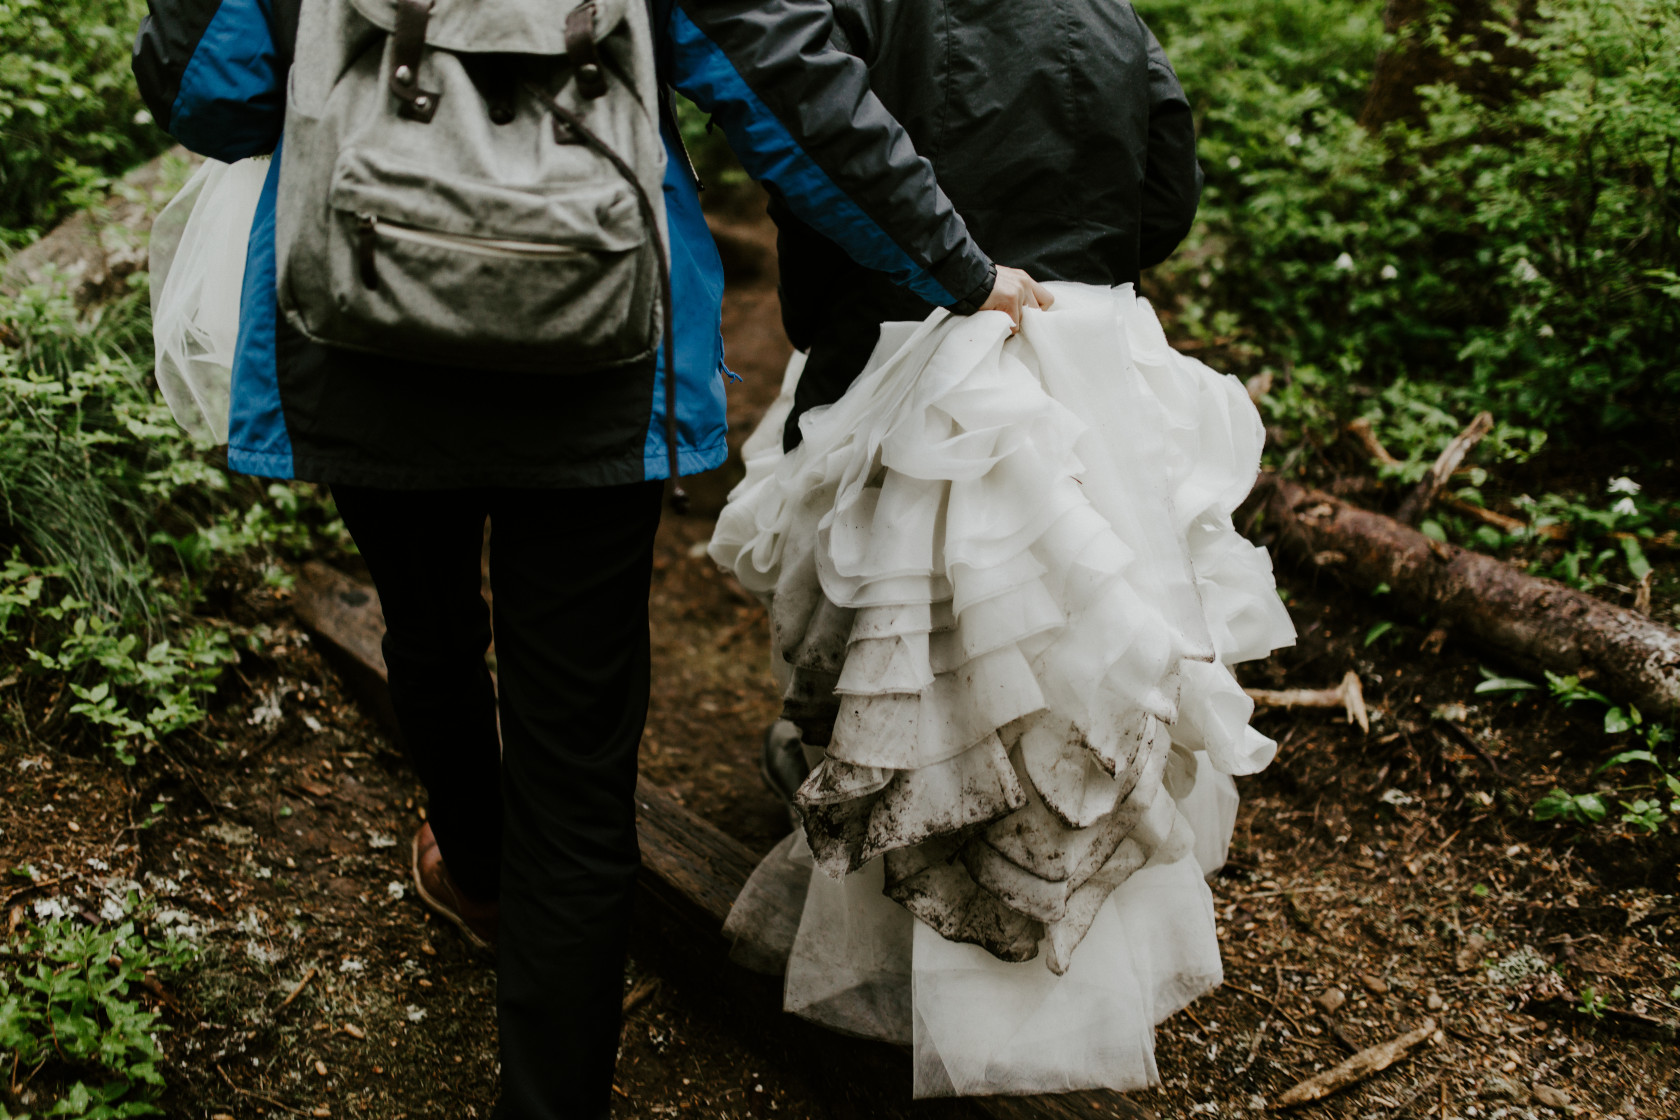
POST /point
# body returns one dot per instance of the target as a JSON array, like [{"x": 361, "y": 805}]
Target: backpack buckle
[
  {"x": 408, "y": 43},
  {"x": 582, "y": 49}
]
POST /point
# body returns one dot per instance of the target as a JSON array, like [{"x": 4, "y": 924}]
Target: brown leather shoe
[{"x": 476, "y": 920}]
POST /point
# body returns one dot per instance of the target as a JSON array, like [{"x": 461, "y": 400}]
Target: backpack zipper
[{"x": 504, "y": 248}]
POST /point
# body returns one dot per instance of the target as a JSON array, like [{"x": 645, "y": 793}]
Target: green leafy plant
[
  {"x": 132, "y": 696},
  {"x": 1575, "y": 808},
  {"x": 1518, "y": 253},
  {"x": 70, "y": 115},
  {"x": 70, "y": 1005}
]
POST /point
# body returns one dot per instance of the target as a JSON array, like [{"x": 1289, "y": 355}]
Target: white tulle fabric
[
  {"x": 1006, "y": 591},
  {"x": 198, "y": 274}
]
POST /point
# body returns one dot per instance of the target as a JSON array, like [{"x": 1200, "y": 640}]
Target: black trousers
[{"x": 541, "y": 816}]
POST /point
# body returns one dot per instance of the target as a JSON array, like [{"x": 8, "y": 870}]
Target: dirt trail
[{"x": 1394, "y": 875}]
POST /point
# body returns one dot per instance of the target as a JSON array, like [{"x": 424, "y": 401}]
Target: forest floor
[{"x": 1376, "y": 880}]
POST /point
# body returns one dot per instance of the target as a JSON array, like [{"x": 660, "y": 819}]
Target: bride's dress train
[{"x": 1005, "y": 593}]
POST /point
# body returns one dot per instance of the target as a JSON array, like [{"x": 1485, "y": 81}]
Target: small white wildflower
[
  {"x": 1624, "y": 508},
  {"x": 1546, "y": 330},
  {"x": 1524, "y": 271},
  {"x": 1624, "y": 485},
  {"x": 1234, "y": 162},
  {"x": 415, "y": 1014},
  {"x": 1345, "y": 262},
  {"x": 267, "y": 713},
  {"x": 1389, "y": 272},
  {"x": 1293, "y": 140},
  {"x": 142, "y": 118},
  {"x": 395, "y": 890}
]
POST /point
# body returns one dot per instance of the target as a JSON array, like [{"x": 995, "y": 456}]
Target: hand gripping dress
[{"x": 1006, "y": 592}]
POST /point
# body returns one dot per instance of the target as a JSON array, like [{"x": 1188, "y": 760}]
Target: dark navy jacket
[
  {"x": 1059, "y": 131},
  {"x": 796, "y": 109}
]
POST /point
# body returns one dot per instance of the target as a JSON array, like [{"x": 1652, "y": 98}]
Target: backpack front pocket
[{"x": 469, "y": 273}]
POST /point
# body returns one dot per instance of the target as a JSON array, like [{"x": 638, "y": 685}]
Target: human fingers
[{"x": 1042, "y": 297}]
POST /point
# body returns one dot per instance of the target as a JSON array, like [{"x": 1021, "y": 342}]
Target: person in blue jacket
[{"x": 531, "y": 841}]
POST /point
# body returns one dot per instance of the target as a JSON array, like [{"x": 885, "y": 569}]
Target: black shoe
[{"x": 782, "y": 762}]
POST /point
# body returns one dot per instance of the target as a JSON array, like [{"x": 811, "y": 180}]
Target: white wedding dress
[{"x": 1005, "y": 592}]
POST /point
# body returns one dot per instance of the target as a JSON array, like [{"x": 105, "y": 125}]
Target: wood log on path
[
  {"x": 1537, "y": 624},
  {"x": 689, "y": 866}
]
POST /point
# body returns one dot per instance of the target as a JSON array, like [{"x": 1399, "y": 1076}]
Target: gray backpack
[{"x": 476, "y": 183}]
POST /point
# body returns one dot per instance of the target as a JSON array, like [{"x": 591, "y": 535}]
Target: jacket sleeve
[
  {"x": 211, "y": 74},
  {"x": 800, "y": 115},
  {"x": 1172, "y": 182}
]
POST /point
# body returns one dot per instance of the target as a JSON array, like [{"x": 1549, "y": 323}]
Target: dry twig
[
  {"x": 297, "y": 990},
  {"x": 1417, "y": 503},
  {"x": 1349, "y": 696},
  {"x": 258, "y": 1096},
  {"x": 1372, "y": 1060},
  {"x": 1361, "y": 431},
  {"x": 640, "y": 994}
]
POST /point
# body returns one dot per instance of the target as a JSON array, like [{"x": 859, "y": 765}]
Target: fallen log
[
  {"x": 688, "y": 866},
  {"x": 1537, "y": 624}
]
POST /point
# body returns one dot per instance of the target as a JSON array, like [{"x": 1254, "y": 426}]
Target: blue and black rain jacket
[{"x": 797, "y": 110}]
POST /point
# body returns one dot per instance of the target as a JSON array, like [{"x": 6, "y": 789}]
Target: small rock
[
  {"x": 1435, "y": 1002},
  {"x": 1504, "y": 1089},
  {"x": 320, "y": 1067},
  {"x": 1551, "y": 1097},
  {"x": 1376, "y": 984},
  {"x": 1332, "y": 999},
  {"x": 321, "y": 1111}
]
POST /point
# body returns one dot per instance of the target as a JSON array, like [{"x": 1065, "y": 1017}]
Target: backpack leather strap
[
  {"x": 408, "y": 43},
  {"x": 581, "y": 48}
]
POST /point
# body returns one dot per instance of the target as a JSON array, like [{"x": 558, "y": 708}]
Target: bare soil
[{"x": 1396, "y": 876}]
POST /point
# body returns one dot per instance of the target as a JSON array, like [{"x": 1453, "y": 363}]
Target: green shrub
[
  {"x": 114, "y": 520},
  {"x": 84, "y": 444},
  {"x": 70, "y": 115},
  {"x": 70, "y": 1009},
  {"x": 1524, "y": 251}
]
